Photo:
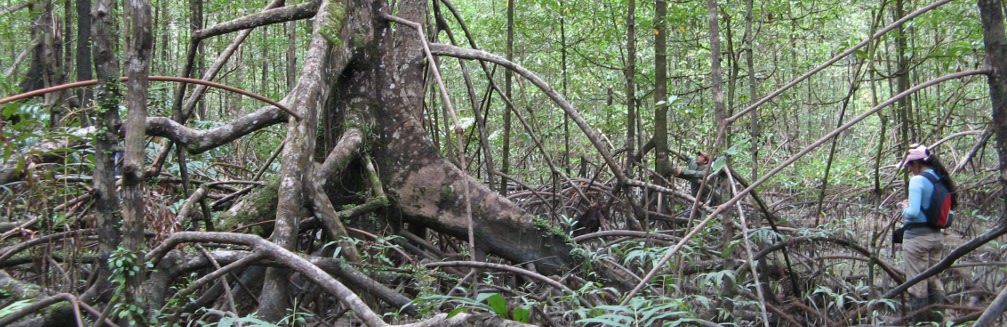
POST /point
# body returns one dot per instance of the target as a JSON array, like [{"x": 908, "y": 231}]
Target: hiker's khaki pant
[{"x": 922, "y": 252}]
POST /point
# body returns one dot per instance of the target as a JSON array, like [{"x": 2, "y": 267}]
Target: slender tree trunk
[
  {"x": 753, "y": 130},
  {"x": 291, "y": 54},
  {"x": 109, "y": 96},
  {"x": 138, "y": 48},
  {"x": 566, "y": 81},
  {"x": 733, "y": 66},
  {"x": 84, "y": 53},
  {"x": 631, "y": 110},
  {"x": 159, "y": 63},
  {"x": 179, "y": 114},
  {"x": 196, "y": 24},
  {"x": 66, "y": 44},
  {"x": 722, "y": 136},
  {"x": 264, "y": 77},
  {"x": 716, "y": 79},
  {"x": 629, "y": 73},
  {"x": 904, "y": 107},
  {"x": 508, "y": 75},
  {"x": 663, "y": 166}
]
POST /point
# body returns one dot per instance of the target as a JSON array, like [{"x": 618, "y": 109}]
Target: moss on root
[
  {"x": 254, "y": 208},
  {"x": 333, "y": 25}
]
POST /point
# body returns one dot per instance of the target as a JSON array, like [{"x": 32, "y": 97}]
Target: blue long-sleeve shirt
[{"x": 920, "y": 191}]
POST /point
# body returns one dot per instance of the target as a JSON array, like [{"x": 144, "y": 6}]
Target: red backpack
[{"x": 939, "y": 213}]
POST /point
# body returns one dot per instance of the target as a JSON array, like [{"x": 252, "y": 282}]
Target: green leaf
[
  {"x": 860, "y": 53},
  {"x": 522, "y": 314},
  {"x": 656, "y": 313},
  {"x": 617, "y": 308},
  {"x": 719, "y": 163},
  {"x": 608, "y": 320},
  {"x": 456, "y": 311},
  {"x": 498, "y": 304}
]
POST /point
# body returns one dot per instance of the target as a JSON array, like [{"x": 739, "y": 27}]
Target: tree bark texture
[
  {"x": 429, "y": 189},
  {"x": 662, "y": 165},
  {"x": 84, "y": 70},
  {"x": 629, "y": 73},
  {"x": 996, "y": 58},
  {"x": 138, "y": 52},
  {"x": 508, "y": 76},
  {"x": 109, "y": 95},
  {"x": 45, "y": 67}
]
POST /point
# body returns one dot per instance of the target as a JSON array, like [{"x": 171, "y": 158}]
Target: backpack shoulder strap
[{"x": 931, "y": 177}]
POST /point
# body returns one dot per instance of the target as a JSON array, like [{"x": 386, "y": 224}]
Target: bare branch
[
  {"x": 513, "y": 269},
  {"x": 196, "y": 141},
  {"x": 10, "y": 251},
  {"x": 281, "y": 255},
  {"x": 458, "y": 52},
  {"x": 24, "y": 54},
  {"x": 278, "y": 15},
  {"x": 42, "y": 304},
  {"x": 836, "y": 58},
  {"x": 623, "y": 233},
  {"x": 15, "y": 8},
  {"x": 152, "y": 78}
]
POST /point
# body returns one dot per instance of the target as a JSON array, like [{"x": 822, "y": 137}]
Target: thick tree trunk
[
  {"x": 996, "y": 58},
  {"x": 716, "y": 83},
  {"x": 426, "y": 187}
]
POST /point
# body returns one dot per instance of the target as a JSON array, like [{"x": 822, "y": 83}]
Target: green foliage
[
  {"x": 109, "y": 97},
  {"x": 247, "y": 321},
  {"x": 639, "y": 311},
  {"x": 334, "y": 23},
  {"x": 487, "y": 302},
  {"x": 126, "y": 264},
  {"x": 716, "y": 279},
  {"x": 550, "y": 229},
  {"x": 30, "y": 130},
  {"x": 644, "y": 254},
  {"x": 380, "y": 249}
]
